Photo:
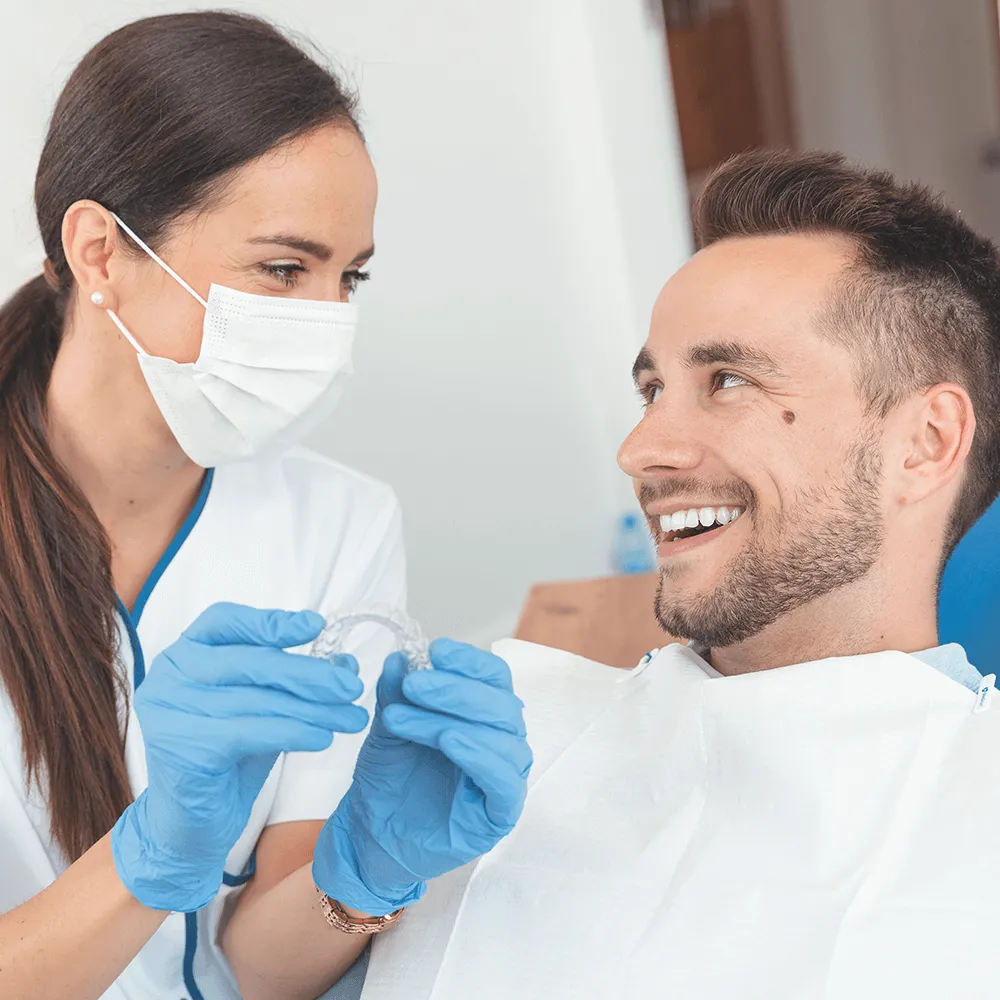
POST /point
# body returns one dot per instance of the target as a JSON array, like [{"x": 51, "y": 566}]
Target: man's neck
[{"x": 866, "y": 617}]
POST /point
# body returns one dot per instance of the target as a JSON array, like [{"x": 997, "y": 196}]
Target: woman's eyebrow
[{"x": 318, "y": 250}]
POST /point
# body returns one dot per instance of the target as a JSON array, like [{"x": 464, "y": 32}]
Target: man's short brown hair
[{"x": 919, "y": 305}]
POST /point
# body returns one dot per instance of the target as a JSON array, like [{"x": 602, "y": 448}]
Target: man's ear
[{"x": 942, "y": 424}]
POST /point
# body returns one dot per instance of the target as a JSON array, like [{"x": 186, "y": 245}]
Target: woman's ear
[
  {"x": 93, "y": 250},
  {"x": 942, "y": 429}
]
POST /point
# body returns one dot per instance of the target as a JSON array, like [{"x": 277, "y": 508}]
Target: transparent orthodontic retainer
[{"x": 410, "y": 638}]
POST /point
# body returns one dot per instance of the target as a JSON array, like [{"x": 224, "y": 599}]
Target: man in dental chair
[{"x": 799, "y": 801}]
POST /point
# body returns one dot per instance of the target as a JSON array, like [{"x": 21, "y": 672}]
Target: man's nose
[{"x": 661, "y": 443}]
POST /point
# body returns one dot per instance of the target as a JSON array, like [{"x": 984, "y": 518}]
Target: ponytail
[
  {"x": 131, "y": 132},
  {"x": 58, "y": 637}
]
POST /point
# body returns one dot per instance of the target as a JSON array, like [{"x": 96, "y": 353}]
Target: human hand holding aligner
[{"x": 410, "y": 638}]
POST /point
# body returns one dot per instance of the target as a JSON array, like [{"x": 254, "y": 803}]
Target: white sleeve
[{"x": 312, "y": 784}]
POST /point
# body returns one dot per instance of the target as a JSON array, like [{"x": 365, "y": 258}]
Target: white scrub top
[{"x": 296, "y": 531}]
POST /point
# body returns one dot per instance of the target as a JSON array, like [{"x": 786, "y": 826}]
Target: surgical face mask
[{"x": 270, "y": 370}]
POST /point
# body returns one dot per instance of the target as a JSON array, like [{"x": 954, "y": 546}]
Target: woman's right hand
[{"x": 216, "y": 710}]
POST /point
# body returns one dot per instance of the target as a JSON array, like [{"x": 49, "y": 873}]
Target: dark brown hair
[
  {"x": 149, "y": 125},
  {"x": 919, "y": 304}
]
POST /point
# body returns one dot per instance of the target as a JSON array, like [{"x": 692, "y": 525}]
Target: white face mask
[{"x": 270, "y": 369}]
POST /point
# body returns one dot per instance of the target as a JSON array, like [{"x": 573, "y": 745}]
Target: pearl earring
[{"x": 97, "y": 298}]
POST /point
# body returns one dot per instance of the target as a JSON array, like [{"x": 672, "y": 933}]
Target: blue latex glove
[
  {"x": 216, "y": 709},
  {"x": 440, "y": 779}
]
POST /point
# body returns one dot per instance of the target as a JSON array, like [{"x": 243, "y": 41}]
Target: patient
[{"x": 792, "y": 805}]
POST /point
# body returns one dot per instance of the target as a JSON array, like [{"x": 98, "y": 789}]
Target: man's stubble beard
[{"x": 830, "y": 538}]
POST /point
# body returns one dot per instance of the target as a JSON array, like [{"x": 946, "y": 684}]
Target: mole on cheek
[{"x": 788, "y": 417}]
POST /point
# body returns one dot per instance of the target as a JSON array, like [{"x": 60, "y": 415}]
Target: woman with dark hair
[{"x": 181, "y": 813}]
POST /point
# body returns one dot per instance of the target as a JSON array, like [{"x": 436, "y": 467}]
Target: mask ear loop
[
  {"x": 124, "y": 332},
  {"x": 166, "y": 267}
]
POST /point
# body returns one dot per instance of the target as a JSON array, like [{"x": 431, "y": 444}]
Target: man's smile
[{"x": 685, "y": 528}]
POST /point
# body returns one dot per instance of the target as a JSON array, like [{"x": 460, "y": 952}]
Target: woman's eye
[
  {"x": 354, "y": 278},
  {"x": 286, "y": 271},
  {"x": 727, "y": 380}
]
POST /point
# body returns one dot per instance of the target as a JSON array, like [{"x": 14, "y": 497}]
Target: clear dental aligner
[{"x": 410, "y": 638}]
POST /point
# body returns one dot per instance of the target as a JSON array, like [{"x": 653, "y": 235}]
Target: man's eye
[
  {"x": 651, "y": 394},
  {"x": 728, "y": 380}
]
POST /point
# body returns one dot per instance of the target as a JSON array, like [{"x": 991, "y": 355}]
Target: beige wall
[
  {"x": 771, "y": 68},
  {"x": 910, "y": 85}
]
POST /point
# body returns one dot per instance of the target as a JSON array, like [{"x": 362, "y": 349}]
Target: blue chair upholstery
[{"x": 969, "y": 608}]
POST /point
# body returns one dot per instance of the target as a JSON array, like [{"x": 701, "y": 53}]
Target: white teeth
[{"x": 696, "y": 517}]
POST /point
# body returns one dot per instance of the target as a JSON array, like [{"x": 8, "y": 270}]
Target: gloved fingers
[
  {"x": 303, "y": 676},
  {"x": 236, "y": 739},
  {"x": 504, "y": 789},
  {"x": 347, "y": 661},
  {"x": 226, "y": 624},
  {"x": 252, "y": 704},
  {"x": 465, "y": 698},
  {"x": 470, "y": 661},
  {"x": 389, "y": 690},
  {"x": 426, "y": 728}
]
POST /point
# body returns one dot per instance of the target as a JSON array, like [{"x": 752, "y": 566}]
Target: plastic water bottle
[{"x": 633, "y": 550}]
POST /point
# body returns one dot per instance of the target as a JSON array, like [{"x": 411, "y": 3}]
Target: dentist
[{"x": 183, "y": 809}]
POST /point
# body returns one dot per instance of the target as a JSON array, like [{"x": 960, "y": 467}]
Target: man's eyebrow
[
  {"x": 643, "y": 363},
  {"x": 732, "y": 352}
]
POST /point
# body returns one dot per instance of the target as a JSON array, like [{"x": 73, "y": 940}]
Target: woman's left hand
[{"x": 440, "y": 779}]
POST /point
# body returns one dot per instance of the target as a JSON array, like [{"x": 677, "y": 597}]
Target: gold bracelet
[{"x": 337, "y": 916}]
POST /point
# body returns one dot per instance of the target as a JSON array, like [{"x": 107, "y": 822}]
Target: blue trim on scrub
[
  {"x": 174, "y": 547},
  {"x": 190, "y": 948},
  {"x": 138, "y": 660},
  {"x": 131, "y": 621},
  {"x": 245, "y": 877},
  {"x": 191, "y": 929}
]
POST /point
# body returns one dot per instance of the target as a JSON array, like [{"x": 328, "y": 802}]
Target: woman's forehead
[{"x": 322, "y": 184}]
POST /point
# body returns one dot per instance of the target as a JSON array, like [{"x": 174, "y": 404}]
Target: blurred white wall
[
  {"x": 532, "y": 203},
  {"x": 907, "y": 85}
]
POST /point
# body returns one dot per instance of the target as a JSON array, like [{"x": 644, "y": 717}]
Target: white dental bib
[{"x": 825, "y": 830}]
